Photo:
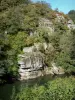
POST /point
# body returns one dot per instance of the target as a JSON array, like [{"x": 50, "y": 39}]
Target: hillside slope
[{"x": 24, "y": 23}]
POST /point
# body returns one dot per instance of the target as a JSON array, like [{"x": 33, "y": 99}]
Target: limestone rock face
[
  {"x": 38, "y": 45},
  {"x": 44, "y": 24},
  {"x": 32, "y": 65},
  {"x": 28, "y": 49},
  {"x": 47, "y": 24},
  {"x": 31, "y": 61},
  {"x": 59, "y": 18}
]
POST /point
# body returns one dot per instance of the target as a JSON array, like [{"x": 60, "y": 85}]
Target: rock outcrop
[
  {"x": 44, "y": 24},
  {"x": 59, "y": 18},
  {"x": 70, "y": 24},
  {"x": 56, "y": 70},
  {"x": 32, "y": 65}
]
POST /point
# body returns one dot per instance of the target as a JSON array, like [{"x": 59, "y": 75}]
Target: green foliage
[
  {"x": 5, "y": 4},
  {"x": 29, "y": 41},
  {"x": 64, "y": 60},
  {"x": 71, "y": 14},
  {"x": 43, "y": 33},
  {"x": 30, "y": 22},
  {"x": 11, "y": 46},
  {"x": 55, "y": 41},
  {"x": 19, "y": 18},
  {"x": 49, "y": 56},
  {"x": 42, "y": 8},
  {"x": 73, "y": 45},
  {"x": 58, "y": 89},
  {"x": 4, "y": 46},
  {"x": 60, "y": 27},
  {"x": 17, "y": 42},
  {"x": 11, "y": 21}
]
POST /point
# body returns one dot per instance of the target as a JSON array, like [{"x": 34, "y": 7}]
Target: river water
[{"x": 7, "y": 89}]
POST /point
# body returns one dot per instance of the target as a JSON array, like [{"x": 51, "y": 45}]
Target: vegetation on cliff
[
  {"x": 20, "y": 18},
  {"x": 19, "y": 28}
]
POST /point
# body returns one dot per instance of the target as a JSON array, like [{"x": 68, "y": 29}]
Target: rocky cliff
[{"x": 32, "y": 65}]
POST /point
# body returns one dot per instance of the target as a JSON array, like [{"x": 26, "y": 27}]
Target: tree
[
  {"x": 5, "y": 4},
  {"x": 57, "y": 10},
  {"x": 71, "y": 14},
  {"x": 4, "y": 46},
  {"x": 42, "y": 8},
  {"x": 73, "y": 45}
]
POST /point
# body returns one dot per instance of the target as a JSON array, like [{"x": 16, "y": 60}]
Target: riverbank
[
  {"x": 7, "y": 79},
  {"x": 12, "y": 90}
]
